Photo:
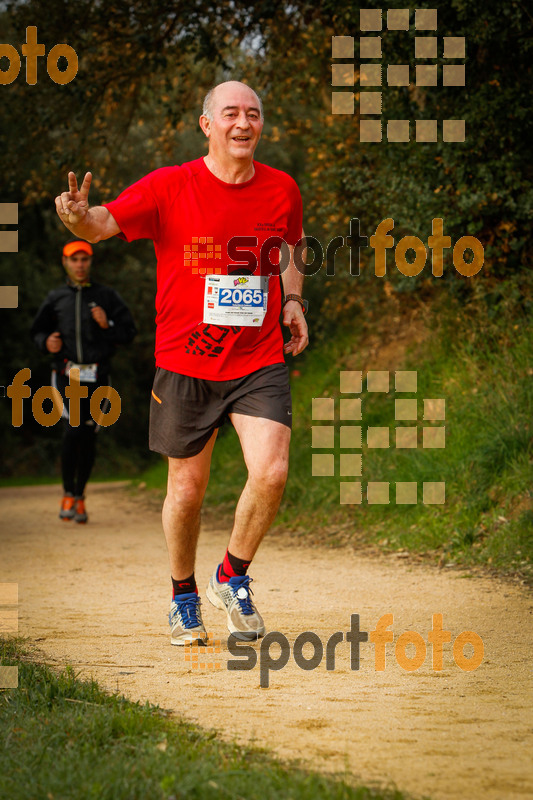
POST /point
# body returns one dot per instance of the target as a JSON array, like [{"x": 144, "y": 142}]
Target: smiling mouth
[{"x": 241, "y": 138}]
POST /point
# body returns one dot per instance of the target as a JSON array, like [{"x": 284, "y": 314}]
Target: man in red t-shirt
[{"x": 224, "y": 228}]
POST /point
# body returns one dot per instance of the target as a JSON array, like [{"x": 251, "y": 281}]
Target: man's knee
[
  {"x": 271, "y": 476},
  {"x": 185, "y": 491}
]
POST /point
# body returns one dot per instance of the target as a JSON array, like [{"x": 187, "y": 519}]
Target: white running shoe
[
  {"x": 185, "y": 618},
  {"x": 234, "y": 597}
]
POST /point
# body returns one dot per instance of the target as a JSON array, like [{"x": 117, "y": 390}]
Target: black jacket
[{"x": 67, "y": 309}]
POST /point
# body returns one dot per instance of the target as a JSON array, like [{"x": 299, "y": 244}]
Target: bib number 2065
[
  {"x": 238, "y": 300},
  {"x": 245, "y": 297}
]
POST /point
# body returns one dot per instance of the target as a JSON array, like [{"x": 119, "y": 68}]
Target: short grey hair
[{"x": 207, "y": 108}]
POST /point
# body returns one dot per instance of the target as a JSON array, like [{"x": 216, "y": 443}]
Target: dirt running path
[{"x": 96, "y": 596}]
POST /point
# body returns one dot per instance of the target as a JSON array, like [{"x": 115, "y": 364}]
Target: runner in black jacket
[{"x": 80, "y": 323}]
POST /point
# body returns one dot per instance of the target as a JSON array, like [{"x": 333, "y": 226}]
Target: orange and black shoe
[
  {"x": 67, "y": 510},
  {"x": 80, "y": 514}
]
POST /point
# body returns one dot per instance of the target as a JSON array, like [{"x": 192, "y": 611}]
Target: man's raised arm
[{"x": 91, "y": 224}]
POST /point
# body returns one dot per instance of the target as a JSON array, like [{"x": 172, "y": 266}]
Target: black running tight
[{"x": 77, "y": 457}]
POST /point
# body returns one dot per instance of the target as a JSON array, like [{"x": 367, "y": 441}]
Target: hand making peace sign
[
  {"x": 72, "y": 206},
  {"x": 93, "y": 224}
]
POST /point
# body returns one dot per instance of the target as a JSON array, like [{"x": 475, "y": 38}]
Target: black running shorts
[{"x": 185, "y": 411}]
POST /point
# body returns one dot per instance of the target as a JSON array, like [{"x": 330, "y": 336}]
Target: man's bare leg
[
  {"x": 265, "y": 446},
  {"x": 187, "y": 482}
]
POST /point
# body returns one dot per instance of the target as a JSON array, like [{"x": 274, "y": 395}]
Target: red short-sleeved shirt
[{"x": 187, "y": 211}]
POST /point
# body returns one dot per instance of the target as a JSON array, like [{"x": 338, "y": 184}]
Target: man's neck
[
  {"x": 78, "y": 284},
  {"x": 233, "y": 172}
]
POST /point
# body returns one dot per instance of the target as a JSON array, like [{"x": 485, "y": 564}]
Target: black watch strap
[{"x": 304, "y": 303}]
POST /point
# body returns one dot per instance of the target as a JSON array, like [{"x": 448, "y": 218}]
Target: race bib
[
  {"x": 235, "y": 300},
  {"x": 88, "y": 372}
]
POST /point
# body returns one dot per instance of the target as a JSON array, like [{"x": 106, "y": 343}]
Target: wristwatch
[{"x": 304, "y": 303}]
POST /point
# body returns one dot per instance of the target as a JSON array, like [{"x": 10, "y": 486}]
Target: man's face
[
  {"x": 236, "y": 126},
  {"x": 78, "y": 266}
]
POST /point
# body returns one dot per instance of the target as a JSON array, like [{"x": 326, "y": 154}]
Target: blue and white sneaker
[
  {"x": 185, "y": 618},
  {"x": 234, "y": 597}
]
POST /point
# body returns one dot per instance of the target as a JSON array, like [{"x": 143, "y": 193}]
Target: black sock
[
  {"x": 232, "y": 566},
  {"x": 184, "y": 587}
]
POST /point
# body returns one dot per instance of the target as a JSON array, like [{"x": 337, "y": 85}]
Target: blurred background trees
[{"x": 144, "y": 68}]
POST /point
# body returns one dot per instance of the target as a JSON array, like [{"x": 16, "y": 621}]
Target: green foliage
[
  {"x": 478, "y": 358},
  {"x": 143, "y": 70}
]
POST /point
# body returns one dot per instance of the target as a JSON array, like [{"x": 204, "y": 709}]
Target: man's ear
[
  {"x": 64, "y": 261},
  {"x": 205, "y": 125}
]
